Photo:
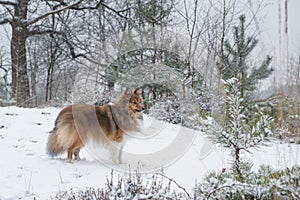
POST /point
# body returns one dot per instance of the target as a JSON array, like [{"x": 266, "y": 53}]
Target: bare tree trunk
[
  {"x": 220, "y": 63},
  {"x": 20, "y": 79},
  {"x": 33, "y": 70},
  {"x": 191, "y": 31},
  {"x": 49, "y": 81},
  {"x": 19, "y": 26}
]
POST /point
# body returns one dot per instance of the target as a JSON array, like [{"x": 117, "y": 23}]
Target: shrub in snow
[
  {"x": 264, "y": 184},
  {"x": 133, "y": 186},
  {"x": 168, "y": 111},
  {"x": 182, "y": 111}
]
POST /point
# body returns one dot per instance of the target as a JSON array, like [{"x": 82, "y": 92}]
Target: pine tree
[
  {"x": 234, "y": 63},
  {"x": 239, "y": 133}
]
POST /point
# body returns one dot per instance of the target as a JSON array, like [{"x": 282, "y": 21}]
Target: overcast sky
[
  {"x": 270, "y": 36},
  {"x": 271, "y": 22}
]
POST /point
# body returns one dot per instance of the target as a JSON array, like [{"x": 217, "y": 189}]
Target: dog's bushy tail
[{"x": 54, "y": 147}]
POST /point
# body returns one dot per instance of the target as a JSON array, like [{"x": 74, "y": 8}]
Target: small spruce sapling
[{"x": 238, "y": 132}]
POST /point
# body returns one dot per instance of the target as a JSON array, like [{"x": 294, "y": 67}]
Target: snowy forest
[{"x": 200, "y": 64}]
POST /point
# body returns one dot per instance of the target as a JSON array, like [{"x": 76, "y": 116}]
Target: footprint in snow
[{"x": 11, "y": 114}]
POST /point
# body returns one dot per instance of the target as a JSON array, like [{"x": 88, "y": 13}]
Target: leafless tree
[{"x": 25, "y": 23}]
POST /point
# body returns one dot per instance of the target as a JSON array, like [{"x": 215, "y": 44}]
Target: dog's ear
[
  {"x": 138, "y": 91},
  {"x": 128, "y": 93}
]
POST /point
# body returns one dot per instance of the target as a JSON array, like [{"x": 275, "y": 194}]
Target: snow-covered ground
[{"x": 185, "y": 155}]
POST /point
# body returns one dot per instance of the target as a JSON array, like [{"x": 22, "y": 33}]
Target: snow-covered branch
[
  {"x": 117, "y": 12},
  {"x": 223, "y": 136},
  {"x": 4, "y": 21},
  {"x": 53, "y": 12},
  {"x": 8, "y": 3},
  {"x": 179, "y": 186},
  {"x": 241, "y": 185},
  {"x": 42, "y": 32}
]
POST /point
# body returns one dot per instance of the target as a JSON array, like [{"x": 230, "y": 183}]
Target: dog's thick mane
[{"x": 121, "y": 115}]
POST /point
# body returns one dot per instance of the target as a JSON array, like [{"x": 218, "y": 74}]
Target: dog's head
[
  {"x": 135, "y": 103},
  {"x": 131, "y": 101}
]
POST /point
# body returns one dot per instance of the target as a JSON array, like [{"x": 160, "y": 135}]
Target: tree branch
[
  {"x": 5, "y": 21},
  {"x": 53, "y": 12},
  {"x": 228, "y": 139},
  {"x": 3, "y": 68},
  {"x": 179, "y": 186},
  {"x": 118, "y": 12},
  {"x": 60, "y": 3},
  {"x": 208, "y": 196},
  {"x": 115, "y": 11},
  {"x": 41, "y": 32},
  {"x": 8, "y": 3}
]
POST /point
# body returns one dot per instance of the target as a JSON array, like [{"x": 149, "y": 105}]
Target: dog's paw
[
  {"x": 116, "y": 162},
  {"x": 83, "y": 159},
  {"x": 69, "y": 161}
]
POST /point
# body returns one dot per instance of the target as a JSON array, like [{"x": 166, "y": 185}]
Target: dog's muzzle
[{"x": 137, "y": 110}]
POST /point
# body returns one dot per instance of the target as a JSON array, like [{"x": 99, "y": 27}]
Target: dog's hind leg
[
  {"x": 76, "y": 154},
  {"x": 70, "y": 155},
  {"x": 74, "y": 150}
]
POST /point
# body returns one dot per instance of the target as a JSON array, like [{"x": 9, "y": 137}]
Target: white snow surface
[{"x": 26, "y": 171}]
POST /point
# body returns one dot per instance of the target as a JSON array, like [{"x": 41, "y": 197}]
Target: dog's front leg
[
  {"x": 120, "y": 156},
  {"x": 116, "y": 152}
]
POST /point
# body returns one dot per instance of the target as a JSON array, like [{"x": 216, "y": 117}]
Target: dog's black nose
[{"x": 143, "y": 108}]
